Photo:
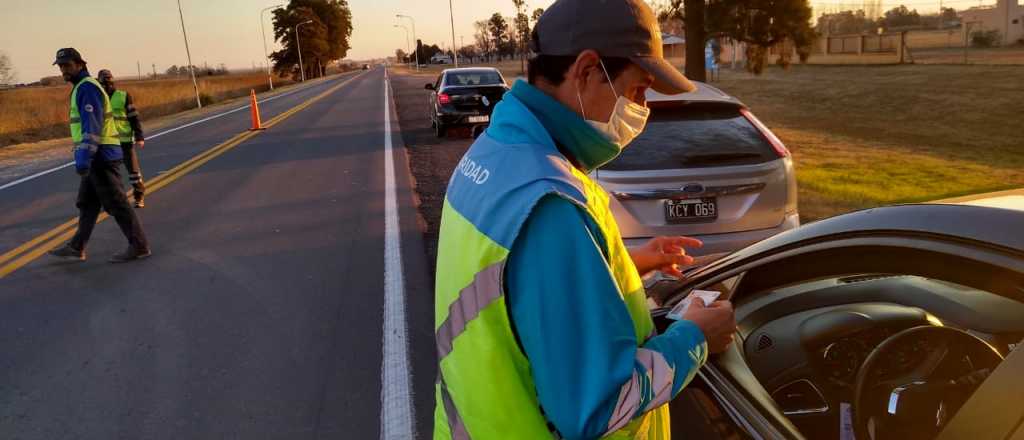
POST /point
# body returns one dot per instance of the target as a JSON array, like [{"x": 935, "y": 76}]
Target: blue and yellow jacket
[
  {"x": 91, "y": 97},
  {"x": 564, "y": 304}
]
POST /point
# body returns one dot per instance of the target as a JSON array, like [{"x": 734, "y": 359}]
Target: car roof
[
  {"x": 470, "y": 69},
  {"x": 705, "y": 93},
  {"x": 994, "y": 226}
]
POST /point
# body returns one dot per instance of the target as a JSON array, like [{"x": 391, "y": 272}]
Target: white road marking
[
  {"x": 396, "y": 419},
  {"x": 171, "y": 130}
]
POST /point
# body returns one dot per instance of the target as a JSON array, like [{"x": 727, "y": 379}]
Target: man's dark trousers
[
  {"x": 102, "y": 188},
  {"x": 131, "y": 161}
]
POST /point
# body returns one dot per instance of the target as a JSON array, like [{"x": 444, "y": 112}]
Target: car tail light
[
  {"x": 443, "y": 98},
  {"x": 777, "y": 144}
]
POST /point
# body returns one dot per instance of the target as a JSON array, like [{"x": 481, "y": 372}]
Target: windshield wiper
[{"x": 717, "y": 157}]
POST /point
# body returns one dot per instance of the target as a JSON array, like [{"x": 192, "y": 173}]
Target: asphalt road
[{"x": 260, "y": 313}]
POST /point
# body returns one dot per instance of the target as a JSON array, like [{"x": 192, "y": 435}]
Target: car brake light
[
  {"x": 777, "y": 144},
  {"x": 443, "y": 98}
]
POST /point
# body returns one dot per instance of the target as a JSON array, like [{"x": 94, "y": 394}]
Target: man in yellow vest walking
[
  {"x": 541, "y": 319},
  {"x": 129, "y": 129},
  {"x": 98, "y": 156}
]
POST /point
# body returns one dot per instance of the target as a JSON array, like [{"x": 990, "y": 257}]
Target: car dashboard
[{"x": 806, "y": 344}]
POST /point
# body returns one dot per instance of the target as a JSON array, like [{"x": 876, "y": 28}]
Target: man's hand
[
  {"x": 717, "y": 321},
  {"x": 665, "y": 254},
  {"x": 82, "y": 171},
  {"x": 140, "y": 143}
]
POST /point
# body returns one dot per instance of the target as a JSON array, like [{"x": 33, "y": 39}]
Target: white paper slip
[{"x": 708, "y": 296}]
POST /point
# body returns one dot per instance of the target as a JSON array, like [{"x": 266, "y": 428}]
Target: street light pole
[
  {"x": 406, "y": 38},
  {"x": 270, "y": 76},
  {"x": 413, "y": 38},
  {"x": 451, "y": 15},
  {"x": 188, "y": 54},
  {"x": 298, "y": 45}
]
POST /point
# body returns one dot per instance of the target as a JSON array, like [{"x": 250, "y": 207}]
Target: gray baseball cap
[{"x": 613, "y": 28}]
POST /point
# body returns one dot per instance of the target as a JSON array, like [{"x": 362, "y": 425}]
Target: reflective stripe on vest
[
  {"x": 108, "y": 134},
  {"x": 486, "y": 390},
  {"x": 118, "y": 101}
]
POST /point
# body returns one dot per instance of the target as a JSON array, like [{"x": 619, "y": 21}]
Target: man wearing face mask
[
  {"x": 129, "y": 129},
  {"x": 542, "y": 326}
]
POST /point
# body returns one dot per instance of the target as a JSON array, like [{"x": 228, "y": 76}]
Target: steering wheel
[{"x": 901, "y": 396}]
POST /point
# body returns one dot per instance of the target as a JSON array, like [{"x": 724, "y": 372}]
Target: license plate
[
  {"x": 692, "y": 210},
  {"x": 484, "y": 118}
]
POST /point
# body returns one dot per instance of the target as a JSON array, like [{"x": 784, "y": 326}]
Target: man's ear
[{"x": 585, "y": 69}]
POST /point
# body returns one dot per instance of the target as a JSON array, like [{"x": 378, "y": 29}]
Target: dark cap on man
[
  {"x": 67, "y": 55},
  {"x": 613, "y": 28}
]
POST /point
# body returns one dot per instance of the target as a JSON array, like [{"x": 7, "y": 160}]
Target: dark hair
[{"x": 553, "y": 67}]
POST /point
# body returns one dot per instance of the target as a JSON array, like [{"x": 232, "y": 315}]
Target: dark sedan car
[
  {"x": 464, "y": 97},
  {"x": 900, "y": 322}
]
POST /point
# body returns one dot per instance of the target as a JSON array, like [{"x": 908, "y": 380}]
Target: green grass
[{"x": 865, "y": 136}]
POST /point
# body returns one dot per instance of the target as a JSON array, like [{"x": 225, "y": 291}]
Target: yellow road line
[{"x": 20, "y": 256}]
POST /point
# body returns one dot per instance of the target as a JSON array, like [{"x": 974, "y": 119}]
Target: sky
[
  {"x": 123, "y": 35},
  {"x": 117, "y": 34}
]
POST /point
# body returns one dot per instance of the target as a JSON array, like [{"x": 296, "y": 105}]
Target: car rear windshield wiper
[{"x": 717, "y": 157}]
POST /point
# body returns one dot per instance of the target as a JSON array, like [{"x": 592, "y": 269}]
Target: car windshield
[
  {"x": 694, "y": 136},
  {"x": 473, "y": 78}
]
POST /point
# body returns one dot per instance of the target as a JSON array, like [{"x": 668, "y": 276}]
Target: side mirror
[{"x": 429, "y": 87}]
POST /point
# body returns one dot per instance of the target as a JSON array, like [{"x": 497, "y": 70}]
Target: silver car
[{"x": 704, "y": 167}]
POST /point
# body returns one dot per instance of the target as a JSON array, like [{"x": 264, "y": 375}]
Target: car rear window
[
  {"x": 473, "y": 78},
  {"x": 694, "y": 136}
]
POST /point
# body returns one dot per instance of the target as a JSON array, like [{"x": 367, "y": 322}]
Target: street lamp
[
  {"x": 298, "y": 45},
  {"x": 195, "y": 85},
  {"x": 413, "y": 37},
  {"x": 406, "y": 37},
  {"x": 270, "y": 77},
  {"x": 451, "y": 15}
]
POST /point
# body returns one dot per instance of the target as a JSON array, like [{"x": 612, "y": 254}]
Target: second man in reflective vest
[{"x": 129, "y": 130}]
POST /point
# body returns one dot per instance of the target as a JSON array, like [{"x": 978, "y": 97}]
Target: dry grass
[
  {"x": 869, "y": 136},
  {"x": 38, "y": 113}
]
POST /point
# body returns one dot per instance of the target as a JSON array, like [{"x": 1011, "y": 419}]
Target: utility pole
[
  {"x": 138, "y": 67},
  {"x": 154, "y": 70},
  {"x": 195, "y": 85},
  {"x": 451, "y": 15}
]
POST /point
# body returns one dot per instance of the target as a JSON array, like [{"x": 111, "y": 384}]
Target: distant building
[
  {"x": 1006, "y": 16},
  {"x": 440, "y": 58}
]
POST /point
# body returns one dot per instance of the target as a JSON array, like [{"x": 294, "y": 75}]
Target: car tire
[{"x": 440, "y": 130}]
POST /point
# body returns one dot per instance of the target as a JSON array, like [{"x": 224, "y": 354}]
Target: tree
[
  {"x": 758, "y": 23},
  {"x": 900, "y": 16},
  {"x": 948, "y": 15},
  {"x": 536, "y": 14},
  {"x": 482, "y": 34},
  {"x": 7, "y": 73},
  {"x": 172, "y": 71},
  {"x": 469, "y": 52},
  {"x": 522, "y": 26},
  {"x": 845, "y": 22},
  {"x": 498, "y": 29},
  {"x": 400, "y": 56},
  {"x": 324, "y": 40},
  {"x": 763, "y": 25}
]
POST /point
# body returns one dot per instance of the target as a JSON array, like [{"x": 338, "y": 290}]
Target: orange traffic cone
[{"x": 255, "y": 111}]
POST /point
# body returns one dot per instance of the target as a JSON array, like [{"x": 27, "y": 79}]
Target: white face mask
[{"x": 628, "y": 118}]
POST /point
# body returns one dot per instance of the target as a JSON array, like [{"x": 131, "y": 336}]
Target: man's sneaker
[
  {"x": 140, "y": 201},
  {"x": 69, "y": 252},
  {"x": 130, "y": 254}
]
